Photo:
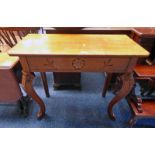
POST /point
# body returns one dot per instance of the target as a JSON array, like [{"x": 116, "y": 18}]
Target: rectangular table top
[
  {"x": 7, "y": 62},
  {"x": 78, "y": 44}
]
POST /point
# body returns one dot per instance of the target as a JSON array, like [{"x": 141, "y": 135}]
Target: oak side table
[{"x": 78, "y": 53}]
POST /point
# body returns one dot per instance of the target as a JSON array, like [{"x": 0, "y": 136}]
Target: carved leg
[
  {"x": 127, "y": 82},
  {"x": 106, "y": 84},
  {"x": 45, "y": 84},
  {"x": 27, "y": 80}
]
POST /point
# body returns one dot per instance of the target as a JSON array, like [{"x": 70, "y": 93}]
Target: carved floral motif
[
  {"x": 78, "y": 63},
  {"x": 107, "y": 63},
  {"x": 49, "y": 62}
]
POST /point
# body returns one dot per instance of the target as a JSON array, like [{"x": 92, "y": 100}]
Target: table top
[
  {"x": 143, "y": 31},
  {"x": 6, "y": 61},
  {"x": 78, "y": 44}
]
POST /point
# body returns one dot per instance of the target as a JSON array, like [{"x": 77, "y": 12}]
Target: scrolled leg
[
  {"x": 27, "y": 81},
  {"x": 127, "y": 82}
]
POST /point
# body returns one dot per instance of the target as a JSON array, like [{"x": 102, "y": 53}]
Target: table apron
[{"x": 77, "y": 64}]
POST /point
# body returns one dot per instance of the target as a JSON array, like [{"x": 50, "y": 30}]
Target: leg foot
[
  {"x": 40, "y": 115},
  {"x": 111, "y": 115}
]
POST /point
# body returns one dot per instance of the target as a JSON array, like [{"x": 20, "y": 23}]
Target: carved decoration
[
  {"x": 78, "y": 63},
  {"x": 128, "y": 77},
  {"x": 49, "y": 63},
  {"x": 27, "y": 77},
  {"x": 107, "y": 63}
]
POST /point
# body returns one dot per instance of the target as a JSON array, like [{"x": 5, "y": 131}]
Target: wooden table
[{"x": 78, "y": 53}]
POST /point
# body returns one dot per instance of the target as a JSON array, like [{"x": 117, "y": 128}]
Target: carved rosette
[{"x": 78, "y": 63}]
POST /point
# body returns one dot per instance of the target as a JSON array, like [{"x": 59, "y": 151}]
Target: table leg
[
  {"x": 106, "y": 84},
  {"x": 27, "y": 81},
  {"x": 127, "y": 82},
  {"x": 45, "y": 83}
]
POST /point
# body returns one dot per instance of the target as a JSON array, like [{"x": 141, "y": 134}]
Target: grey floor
[{"x": 72, "y": 108}]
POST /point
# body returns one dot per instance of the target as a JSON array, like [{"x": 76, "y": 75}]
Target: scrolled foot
[
  {"x": 40, "y": 115},
  {"x": 111, "y": 115}
]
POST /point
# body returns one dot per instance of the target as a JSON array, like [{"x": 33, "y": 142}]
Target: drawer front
[{"x": 77, "y": 64}]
